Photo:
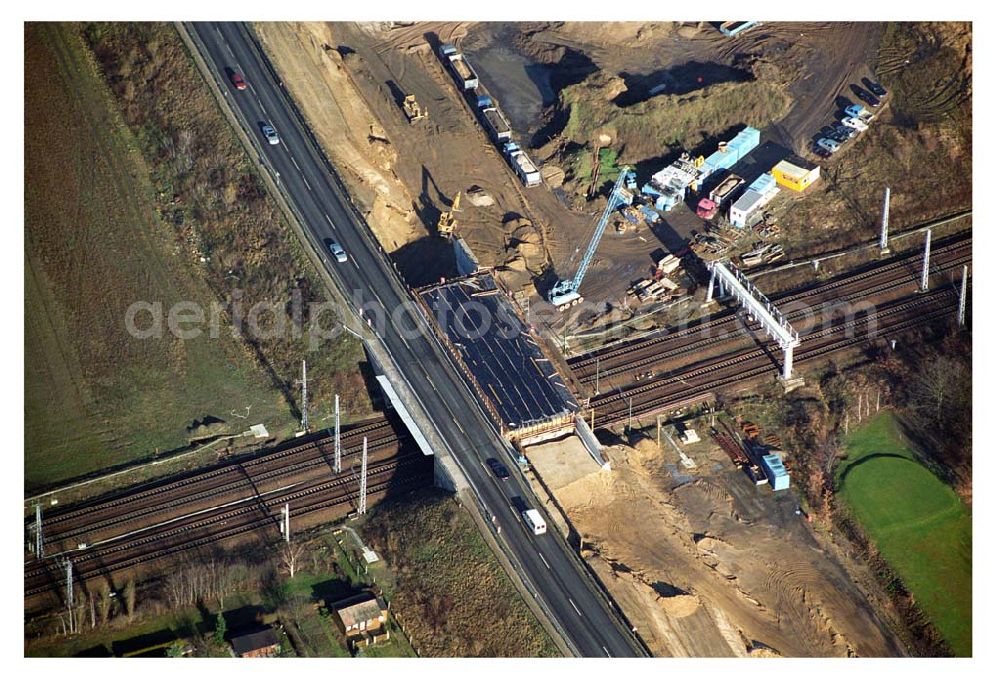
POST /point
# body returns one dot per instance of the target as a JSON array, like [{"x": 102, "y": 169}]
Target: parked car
[
  {"x": 829, "y": 145},
  {"x": 238, "y": 81},
  {"x": 856, "y": 123},
  {"x": 865, "y": 96},
  {"x": 842, "y": 134},
  {"x": 337, "y": 251},
  {"x": 270, "y": 134},
  {"x": 498, "y": 469},
  {"x": 875, "y": 88}
]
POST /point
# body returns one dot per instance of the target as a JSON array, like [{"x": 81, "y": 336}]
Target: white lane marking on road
[
  {"x": 351, "y": 257},
  {"x": 606, "y": 651},
  {"x": 544, "y": 562},
  {"x": 232, "y": 53},
  {"x": 292, "y": 158},
  {"x": 308, "y": 187},
  {"x": 574, "y": 606},
  {"x": 329, "y": 220},
  {"x": 261, "y": 105}
]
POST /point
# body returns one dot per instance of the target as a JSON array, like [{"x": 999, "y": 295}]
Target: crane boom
[{"x": 566, "y": 292}]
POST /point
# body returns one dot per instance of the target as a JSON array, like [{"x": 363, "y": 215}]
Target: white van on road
[{"x": 534, "y": 520}]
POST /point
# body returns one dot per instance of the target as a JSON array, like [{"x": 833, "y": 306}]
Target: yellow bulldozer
[
  {"x": 412, "y": 109},
  {"x": 446, "y": 222}
]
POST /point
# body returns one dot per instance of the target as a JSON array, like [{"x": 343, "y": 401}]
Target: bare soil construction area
[
  {"x": 643, "y": 92},
  {"x": 704, "y": 563}
]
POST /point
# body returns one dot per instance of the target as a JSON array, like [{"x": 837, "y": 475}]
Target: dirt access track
[{"x": 704, "y": 563}]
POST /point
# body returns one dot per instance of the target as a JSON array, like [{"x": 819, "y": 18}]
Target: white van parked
[{"x": 534, "y": 520}]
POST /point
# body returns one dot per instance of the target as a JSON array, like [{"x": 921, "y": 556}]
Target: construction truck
[
  {"x": 412, "y": 109},
  {"x": 446, "y": 222}
]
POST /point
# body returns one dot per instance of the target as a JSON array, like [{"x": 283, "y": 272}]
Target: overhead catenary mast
[
  {"x": 884, "y": 239},
  {"x": 305, "y": 400},
  {"x": 363, "y": 499},
  {"x": 39, "y": 542},
  {"x": 336, "y": 433},
  {"x": 961, "y": 296},
  {"x": 925, "y": 275}
]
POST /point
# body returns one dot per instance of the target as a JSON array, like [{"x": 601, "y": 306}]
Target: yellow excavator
[{"x": 446, "y": 222}]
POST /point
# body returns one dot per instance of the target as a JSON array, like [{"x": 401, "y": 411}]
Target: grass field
[
  {"x": 919, "y": 524},
  {"x": 94, "y": 243},
  {"x": 141, "y": 192},
  {"x": 450, "y": 591}
]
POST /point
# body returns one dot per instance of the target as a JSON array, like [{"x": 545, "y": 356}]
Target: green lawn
[{"x": 920, "y": 525}]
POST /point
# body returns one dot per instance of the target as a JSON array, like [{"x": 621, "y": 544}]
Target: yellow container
[{"x": 794, "y": 177}]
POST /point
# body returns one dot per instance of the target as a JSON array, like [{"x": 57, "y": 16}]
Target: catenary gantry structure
[{"x": 757, "y": 306}]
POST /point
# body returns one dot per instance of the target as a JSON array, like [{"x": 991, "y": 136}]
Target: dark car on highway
[{"x": 498, "y": 469}]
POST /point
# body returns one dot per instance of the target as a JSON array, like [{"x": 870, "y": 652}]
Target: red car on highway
[{"x": 238, "y": 81}]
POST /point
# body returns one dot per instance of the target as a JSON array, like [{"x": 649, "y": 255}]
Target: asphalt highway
[{"x": 553, "y": 575}]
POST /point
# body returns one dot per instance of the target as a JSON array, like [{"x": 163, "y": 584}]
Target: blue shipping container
[
  {"x": 763, "y": 183},
  {"x": 650, "y": 214},
  {"x": 736, "y": 150},
  {"x": 775, "y": 471}
]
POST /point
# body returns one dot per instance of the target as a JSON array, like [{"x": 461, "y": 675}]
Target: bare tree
[
  {"x": 130, "y": 598},
  {"x": 291, "y": 553},
  {"x": 104, "y": 603}
]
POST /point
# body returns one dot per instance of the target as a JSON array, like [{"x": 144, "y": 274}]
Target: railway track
[
  {"x": 224, "y": 522},
  {"x": 666, "y": 345},
  {"x": 79, "y": 524},
  {"x": 691, "y": 385}
]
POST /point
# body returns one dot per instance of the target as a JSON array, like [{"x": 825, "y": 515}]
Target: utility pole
[
  {"x": 884, "y": 240},
  {"x": 336, "y": 433},
  {"x": 39, "y": 542},
  {"x": 925, "y": 276},
  {"x": 363, "y": 500},
  {"x": 961, "y": 297},
  {"x": 305, "y": 400}
]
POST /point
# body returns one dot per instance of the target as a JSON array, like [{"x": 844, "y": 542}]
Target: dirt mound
[
  {"x": 479, "y": 197},
  {"x": 679, "y": 606},
  {"x": 525, "y": 249},
  {"x": 553, "y": 175},
  {"x": 316, "y": 75},
  {"x": 611, "y": 33},
  {"x": 763, "y": 652},
  {"x": 649, "y": 128},
  {"x": 719, "y": 577}
]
